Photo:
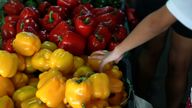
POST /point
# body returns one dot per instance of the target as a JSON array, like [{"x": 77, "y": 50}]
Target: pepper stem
[
  {"x": 22, "y": 25},
  {"x": 99, "y": 37},
  {"x": 86, "y": 20},
  {"x": 83, "y": 105},
  {"x": 81, "y": 79},
  {"x": 50, "y": 17}
]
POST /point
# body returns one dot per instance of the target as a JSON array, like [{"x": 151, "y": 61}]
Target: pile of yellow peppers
[{"x": 40, "y": 75}]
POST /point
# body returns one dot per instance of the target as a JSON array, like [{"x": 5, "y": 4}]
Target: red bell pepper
[
  {"x": 27, "y": 25},
  {"x": 60, "y": 10},
  {"x": 131, "y": 17},
  {"x": 82, "y": 9},
  {"x": 120, "y": 33},
  {"x": 7, "y": 45},
  {"x": 96, "y": 42},
  {"x": 50, "y": 20},
  {"x": 8, "y": 31},
  {"x": 43, "y": 35},
  {"x": 29, "y": 12},
  {"x": 112, "y": 45},
  {"x": 99, "y": 11},
  {"x": 43, "y": 7},
  {"x": 73, "y": 43},
  {"x": 84, "y": 25},
  {"x": 11, "y": 19},
  {"x": 69, "y": 4},
  {"x": 104, "y": 31},
  {"x": 13, "y": 7},
  {"x": 57, "y": 33},
  {"x": 111, "y": 19}
]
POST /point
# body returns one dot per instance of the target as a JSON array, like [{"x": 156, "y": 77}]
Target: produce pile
[
  {"x": 44, "y": 56},
  {"x": 76, "y": 27}
]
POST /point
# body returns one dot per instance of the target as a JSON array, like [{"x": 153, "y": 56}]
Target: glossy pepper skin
[
  {"x": 120, "y": 33},
  {"x": 6, "y": 102},
  {"x": 29, "y": 12},
  {"x": 50, "y": 20},
  {"x": 96, "y": 42},
  {"x": 78, "y": 62},
  {"x": 28, "y": 65},
  {"x": 9, "y": 65},
  {"x": 99, "y": 11},
  {"x": 84, "y": 25},
  {"x": 56, "y": 34},
  {"x": 83, "y": 71},
  {"x": 47, "y": 75},
  {"x": 52, "y": 92},
  {"x": 33, "y": 103},
  {"x": 7, "y": 87},
  {"x": 61, "y": 60},
  {"x": 73, "y": 43},
  {"x": 60, "y": 10},
  {"x": 82, "y": 10},
  {"x": 19, "y": 80},
  {"x": 26, "y": 43},
  {"x": 111, "y": 19},
  {"x": 115, "y": 72},
  {"x": 8, "y": 31},
  {"x": 100, "y": 85},
  {"x": 23, "y": 93},
  {"x": 11, "y": 19},
  {"x": 40, "y": 60},
  {"x": 7, "y": 45},
  {"x": 27, "y": 25},
  {"x": 13, "y": 7},
  {"x": 78, "y": 92},
  {"x": 49, "y": 45},
  {"x": 69, "y": 4},
  {"x": 43, "y": 7}
]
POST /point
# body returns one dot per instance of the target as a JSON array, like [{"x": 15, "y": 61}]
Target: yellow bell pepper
[
  {"x": 29, "y": 68},
  {"x": 52, "y": 92},
  {"x": 9, "y": 64},
  {"x": 116, "y": 85},
  {"x": 83, "y": 71},
  {"x": 115, "y": 72},
  {"x": 23, "y": 93},
  {"x": 100, "y": 85},
  {"x": 78, "y": 62},
  {"x": 45, "y": 76},
  {"x": 49, "y": 45},
  {"x": 20, "y": 79},
  {"x": 6, "y": 102},
  {"x": 33, "y": 103},
  {"x": 40, "y": 60},
  {"x": 61, "y": 60},
  {"x": 78, "y": 92},
  {"x": 33, "y": 81},
  {"x": 26, "y": 43},
  {"x": 21, "y": 63},
  {"x": 95, "y": 64},
  {"x": 6, "y": 87}
]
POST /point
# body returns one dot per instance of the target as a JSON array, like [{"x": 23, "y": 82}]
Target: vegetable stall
[{"x": 44, "y": 54}]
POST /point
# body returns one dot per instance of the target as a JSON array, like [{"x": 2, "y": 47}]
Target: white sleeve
[{"x": 182, "y": 10}]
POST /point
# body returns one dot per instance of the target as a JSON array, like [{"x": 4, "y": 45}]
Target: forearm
[{"x": 147, "y": 29}]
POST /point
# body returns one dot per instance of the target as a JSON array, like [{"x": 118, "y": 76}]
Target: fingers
[{"x": 101, "y": 52}]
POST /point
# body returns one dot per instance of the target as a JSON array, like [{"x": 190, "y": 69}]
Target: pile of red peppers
[{"x": 74, "y": 26}]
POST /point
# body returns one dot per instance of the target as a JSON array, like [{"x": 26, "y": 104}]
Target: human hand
[{"x": 106, "y": 57}]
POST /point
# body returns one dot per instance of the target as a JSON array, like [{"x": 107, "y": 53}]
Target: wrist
[{"x": 118, "y": 51}]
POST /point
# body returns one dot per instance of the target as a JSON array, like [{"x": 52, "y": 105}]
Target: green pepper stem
[
  {"x": 50, "y": 17},
  {"x": 86, "y": 20}
]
